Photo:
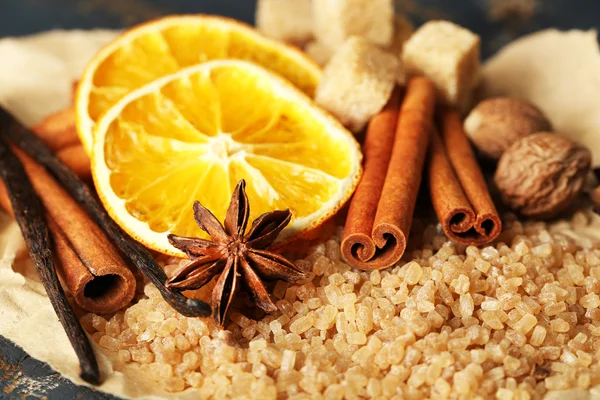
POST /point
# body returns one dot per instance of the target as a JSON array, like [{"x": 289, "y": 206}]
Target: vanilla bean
[
  {"x": 29, "y": 214},
  {"x": 131, "y": 249}
]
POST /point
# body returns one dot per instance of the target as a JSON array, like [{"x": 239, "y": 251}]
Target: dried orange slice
[
  {"x": 165, "y": 46},
  {"x": 194, "y": 134}
]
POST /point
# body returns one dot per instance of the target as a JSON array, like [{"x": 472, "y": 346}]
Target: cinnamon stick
[
  {"x": 29, "y": 214},
  {"x": 59, "y": 133},
  {"x": 458, "y": 190},
  {"x": 380, "y": 214},
  {"x": 89, "y": 265},
  {"x": 58, "y": 130},
  {"x": 134, "y": 251},
  {"x": 75, "y": 157}
]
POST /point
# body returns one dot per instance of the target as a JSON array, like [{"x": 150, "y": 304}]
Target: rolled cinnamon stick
[
  {"x": 380, "y": 214},
  {"x": 58, "y": 130},
  {"x": 75, "y": 157},
  {"x": 133, "y": 251},
  {"x": 90, "y": 266},
  {"x": 29, "y": 214},
  {"x": 458, "y": 190}
]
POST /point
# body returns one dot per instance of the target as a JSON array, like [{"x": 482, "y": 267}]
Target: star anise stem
[{"x": 239, "y": 258}]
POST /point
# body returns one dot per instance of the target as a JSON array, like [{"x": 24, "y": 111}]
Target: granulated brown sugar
[{"x": 514, "y": 320}]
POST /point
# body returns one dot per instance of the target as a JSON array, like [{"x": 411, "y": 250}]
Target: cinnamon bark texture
[
  {"x": 89, "y": 264},
  {"x": 29, "y": 214},
  {"x": 76, "y": 158},
  {"x": 133, "y": 251},
  {"x": 59, "y": 133},
  {"x": 458, "y": 190},
  {"x": 380, "y": 214},
  {"x": 58, "y": 130}
]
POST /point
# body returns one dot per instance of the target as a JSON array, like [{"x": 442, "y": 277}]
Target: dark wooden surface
[
  {"x": 22, "y": 377},
  {"x": 22, "y": 17}
]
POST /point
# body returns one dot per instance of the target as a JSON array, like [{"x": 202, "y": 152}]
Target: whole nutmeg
[
  {"x": 496, "y": 123},
  {"x": 541, "y": 174}
]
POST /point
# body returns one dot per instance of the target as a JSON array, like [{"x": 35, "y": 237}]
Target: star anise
[{"x": 234, "y": 254}]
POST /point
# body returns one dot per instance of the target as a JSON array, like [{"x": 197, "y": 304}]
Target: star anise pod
[{"x": 234, "y": 255}]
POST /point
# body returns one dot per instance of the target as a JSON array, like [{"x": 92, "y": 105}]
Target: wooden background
[{"x": 22, "y": 377}]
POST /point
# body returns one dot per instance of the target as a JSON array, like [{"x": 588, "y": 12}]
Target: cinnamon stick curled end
[
  {"x": 463, "y": 226},
  {"x": 90, "y": 265},
  {"x": 380, "y": 213},
  {"x": 458, "y": 189},
  {"x": 91, "y": 271},
  {"x": 104, "y": 290},
  {"x": 382, "y": 249},
  {"x": 106, "y": 293}
]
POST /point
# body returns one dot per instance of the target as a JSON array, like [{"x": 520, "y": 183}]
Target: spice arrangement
[{"x": 422, "y": 286}]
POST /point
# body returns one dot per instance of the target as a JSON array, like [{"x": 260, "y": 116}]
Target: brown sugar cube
[
  {"x": 403, "y": 30},
  {"x": 319, "y": 52},
  {"x": 357, "y": 82},
  {"x": 337, "y": 20},
  {"x": 448, "y": 55},
  {"x": 287, "y": 20}
]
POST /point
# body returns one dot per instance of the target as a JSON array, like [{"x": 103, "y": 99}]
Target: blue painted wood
[{"x": 22, "y": 377}]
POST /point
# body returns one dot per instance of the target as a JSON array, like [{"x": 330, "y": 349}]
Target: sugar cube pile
[{"x": 366, "y": 49}]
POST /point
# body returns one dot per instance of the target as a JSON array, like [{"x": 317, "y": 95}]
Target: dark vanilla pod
[{"x": 29, "y": 214}]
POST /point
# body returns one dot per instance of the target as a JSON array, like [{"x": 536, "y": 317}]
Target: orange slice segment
[
  {"x": 194, "y": 134},
  {"x": 167, "y": 45}
]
